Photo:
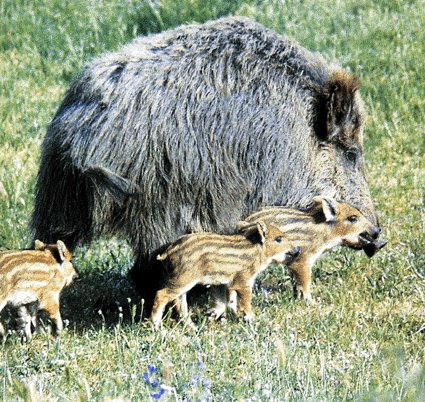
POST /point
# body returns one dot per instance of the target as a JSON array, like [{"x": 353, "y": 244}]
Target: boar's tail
[
  {"x": 116, "y": 186},
  {"x": 66, "y": 197}
]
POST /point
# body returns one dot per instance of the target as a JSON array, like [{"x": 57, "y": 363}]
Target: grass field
[{"x": 364, "y": 339}]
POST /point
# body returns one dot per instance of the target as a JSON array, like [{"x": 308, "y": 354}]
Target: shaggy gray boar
[{"x": 203, "y": 124}]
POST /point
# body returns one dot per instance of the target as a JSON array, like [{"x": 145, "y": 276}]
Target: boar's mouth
[{"x": 373, "y": 247}]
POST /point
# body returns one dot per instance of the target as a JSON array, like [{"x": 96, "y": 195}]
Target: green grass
[{"x": 365, "y": 338}]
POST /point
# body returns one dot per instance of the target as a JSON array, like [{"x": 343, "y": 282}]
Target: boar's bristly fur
[{"x": 211, "y": 122}]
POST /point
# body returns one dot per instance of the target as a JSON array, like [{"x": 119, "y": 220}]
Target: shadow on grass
[
  {"x": 107, "y": 296},
  {"x": 99, "y": 299}
]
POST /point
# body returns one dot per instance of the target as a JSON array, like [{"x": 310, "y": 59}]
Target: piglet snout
[{"x": 293, "y": 253}]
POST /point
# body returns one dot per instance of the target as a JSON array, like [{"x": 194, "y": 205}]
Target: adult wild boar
[{"x": 210, "y": 122}]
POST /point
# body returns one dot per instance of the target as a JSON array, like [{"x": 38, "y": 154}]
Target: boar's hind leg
[
  {"x": 219, "y": 301},
  {"x": 1, "y": 331},
  {"x": 147, "y": 274},
  {"x": 232, "y": 301}
]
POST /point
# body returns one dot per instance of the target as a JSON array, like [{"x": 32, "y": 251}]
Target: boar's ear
[
  {"x": 340, "y": 90},
  {"x": 115, "y": 185},
  {"x": 39, "y": 245},
  {"x": 330, "y": 209},
  {"x": 64, "y": 253},
  {"x": 262, "y": 231}
]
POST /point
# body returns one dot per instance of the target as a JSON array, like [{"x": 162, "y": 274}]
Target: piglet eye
[
  {"x": 353, "y": 219},
  {"x": 278, "y": 239}
]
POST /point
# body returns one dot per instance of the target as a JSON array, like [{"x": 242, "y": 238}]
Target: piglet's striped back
[{"x": 35, "y": 276}]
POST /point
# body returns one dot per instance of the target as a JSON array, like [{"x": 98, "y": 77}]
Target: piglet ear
[
  {"x": 39, "y": 245},
  {"x": 243, "y": 226},
  {"x": 262, "y": 231},
  {"x": 63, "y": 251},
  {"x": 317, "y": 202},
  {"x": 330, "y": 209},
  {"x": 254, "y": 231}
]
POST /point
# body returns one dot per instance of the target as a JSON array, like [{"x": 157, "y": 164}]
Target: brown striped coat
[
  {"x": 326, "y": 225},
  {"x": 35, "y": 278},
  {"x": 213, "y": 259}
]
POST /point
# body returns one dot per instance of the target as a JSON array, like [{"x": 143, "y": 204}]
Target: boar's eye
[
  {"x": 353, "y": 219},
  {"x": 278, "y": 239},
  {"x": 351, "y": 155}
]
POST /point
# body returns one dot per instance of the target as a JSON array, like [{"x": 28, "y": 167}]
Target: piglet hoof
[
  {"x": 248, "y": 317},
  {"x": 305, "y": 296},
  {"x": 216, "y": 314},
  {"x": 157, "y": 324},
  {"x": 188, "y": 323},
  {"x": 25, "y": 337},
  {"x": 309, "y": 300}
]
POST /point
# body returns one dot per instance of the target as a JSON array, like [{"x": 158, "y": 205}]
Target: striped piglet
[
  {"x": 213, "y": 259},
  {"x": 325, "y": 225},
  {"x": 31, "y": 280}
]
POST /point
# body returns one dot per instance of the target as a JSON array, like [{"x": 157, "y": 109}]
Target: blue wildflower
[
  {"x": 151, "y": 369},
  {"x": 148, "y": 380},
  {"x": 158, "y": 395},
  {"x": 199, "y": 387},
  {"x": 151, "y": 378}
]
